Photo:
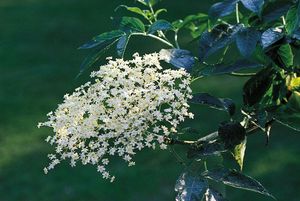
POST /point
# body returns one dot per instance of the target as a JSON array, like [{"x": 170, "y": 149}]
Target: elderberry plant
[{"x": 139, "y": 103}]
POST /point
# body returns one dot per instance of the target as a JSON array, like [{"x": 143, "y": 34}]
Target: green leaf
[
  {"x": 222, "y": 9},
  {"x": 122, "y": 44},
  {"x": 253, "y": 5},
  {"x": 102, "y": 39},
  {"x": 231, "y": 133},
  {"x": 159, "y": 11},
  {"x": 206, "y": 149},
  {"x": 275, "y": 9},
  {"x": 294, "y": 84},
  {"x": 256, "y": 87},
  {"x": 236, "y": 179},
  {"x": 190, "y": 19},
  {"x": 292, "y": 20},
  {"x": 289, "y": 114},
  {"x": 136, "y": 10},
  {"x": 94, "y": 57},
  {"x": 132, "y": 24},
  {"x": 219, "y": 37},
  {"x": 246, "y": 40},
  {"x": 286, "y": 55},
  {"x": 213, "y": 195},
  {"x": 160, "y": 25},
  {"x": 190, "y": 187},
  {"x": 221, "y": 69},
  {"x": 239, "y": 153},
  {"x": 178, "y": 58},
  {"x": 224, "y": 104},
  {"x": 149, "y": 2}
]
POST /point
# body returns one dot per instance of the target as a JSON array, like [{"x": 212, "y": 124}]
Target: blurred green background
[{"x": 39, "y": 63}]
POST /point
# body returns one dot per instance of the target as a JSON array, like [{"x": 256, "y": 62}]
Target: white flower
[{"x": 119, "y": 113}]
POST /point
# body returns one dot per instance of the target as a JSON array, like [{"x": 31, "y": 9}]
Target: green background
[{"x": 39, "y": 62}]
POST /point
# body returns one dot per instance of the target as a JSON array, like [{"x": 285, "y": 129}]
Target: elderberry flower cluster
[{"x": 131, "y": 105}]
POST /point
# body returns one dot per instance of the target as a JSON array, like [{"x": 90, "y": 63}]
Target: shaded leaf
[
  {"x": 178, "y": 58},
  {"x": 190, "y": 188},
  {"x": 197, "y": 20},
  {"x": 271, "y": 36},
  {"x": 225, "y": 104},
  {"x": 159, "y": 11},
  {"x": 275, "y": 9},
  {"x": 236, "y": 179},
  {"x": 206, "y": 149},
  {"x": 222, "y": 9},
  {"x": 149, "y": 2},
  {"x": 253, "y": 5},
  {"x": 102, "y": 39},
  {"x": 289, "y": 114},
  {"x": 239, "y": 153},
  {"x": 219, "y": 37},
  {"x": 132, "y": 24},
  {"x": 94, "y": 57},
  {"x": 246, "y": 40},
  {"x": 231, "y": 133},
  {"x": 256, "y": 87},
  {"x": 160, "y": 25},
  {"x": 213, "y": 195},
  {"x": 221, "y": 69},
  {"x": 286, "y": 55}
]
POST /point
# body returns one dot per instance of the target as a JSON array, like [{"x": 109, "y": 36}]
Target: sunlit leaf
[
  {"x": 271, "y": 36},
  {"x": 136, "y": 10},
  {"x": 190, "y": 187},
  {"x": 178, "y": 58},
  {"x": 239, "y": 153},
  {"x": 253, "y": 5},
  {"x": 225, "y": 104},
  {"x": 213, "y": 195},
  {"x": 222, "y": 9},
  {"x": 236, "y": 179},
  {"x": 160, "y": 25},
  {"x": 292, "y": 19}
]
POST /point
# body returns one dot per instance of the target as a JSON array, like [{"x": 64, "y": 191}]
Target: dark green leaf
[
  {"x": 206, "y": 149},
  {"x": 237, "y": 180},
  {"x": 149, "y": 2},
  {"x": 102, "y": 39},
  {"x": 159, "y": 11},
  {"x": 221, "y": 69},
  {"x": 256, "y": 87},
  {"x": 231, "y": 133},
  {"x": 239, "y": 152},
  {"x": 275, "y": 9},
  {"x": 286, "y": 55},
  {"x": 213, "y": 195},
  {"x": 246, "y": 40},
  {"x": 178, "y": 58},
  {"x": 122, "y": 44},
  {"x": 253, "y": 5},
  {"x": 271, "y": 36},
  {"x": 132, "y": 24},
  {"x": 196, "y": 20},
  {"x": 94, "y": 57},
  {"x": 190, "y": 188},
  {"x": 214, "y": 102},
  {"x": 292, "y": 20},
  {"x": 160, "y": 25},
  {"x": 222, "y": 9},
  {"x": 289, "y": 114},
  {"x": 219, "y": 37}
]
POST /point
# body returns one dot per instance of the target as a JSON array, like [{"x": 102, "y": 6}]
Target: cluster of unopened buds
[{"x": 130, "y": 105}]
